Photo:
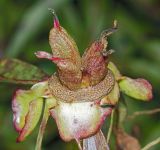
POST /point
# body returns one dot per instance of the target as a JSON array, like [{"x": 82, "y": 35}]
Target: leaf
[
  {"x": 21, "y": 102},
  {"x": 32, "y": 118},
  {"x": 96, "y": 142},
  {"x": 137, "y": 88},
  {"x": 16, "y": 71}
]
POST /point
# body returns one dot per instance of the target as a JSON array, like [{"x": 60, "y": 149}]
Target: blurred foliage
[{"x": 24, "y": 28}]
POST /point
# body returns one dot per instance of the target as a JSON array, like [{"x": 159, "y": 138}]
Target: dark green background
[{"x": 24, "y": 28}]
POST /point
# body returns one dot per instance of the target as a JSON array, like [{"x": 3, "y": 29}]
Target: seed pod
[
  {"x": 95, "y": 58},
  {"x": 68, "y": 59}
]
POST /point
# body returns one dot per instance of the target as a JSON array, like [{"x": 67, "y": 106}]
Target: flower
[{"x": 80, "y": 95}]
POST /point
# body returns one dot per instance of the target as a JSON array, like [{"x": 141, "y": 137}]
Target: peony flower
[{"x": 79, "y": 95}]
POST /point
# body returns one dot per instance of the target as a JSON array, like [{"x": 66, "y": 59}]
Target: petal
[
  {"x": 32, "y": 118},
  {"x": 21, "y": 100},
  {"x": 137, "y": 88},
  {"x": 96, "y": 142},
  {"x": 112, "y": 98},
  {"x": 79, "y": 120}
]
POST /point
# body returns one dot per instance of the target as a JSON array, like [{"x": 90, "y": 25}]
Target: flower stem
[
  {"x": 145, "y": 112},
  {"x": 154, "y": 142},
  {"x": 42, "y": 127},
  {"x": 110, "y": 126}
]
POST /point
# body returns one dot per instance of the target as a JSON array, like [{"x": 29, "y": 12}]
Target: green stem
[
  {"x": 145, "y": 112},
  {"x": 42, "y": 127},
  {"x": 148, "y": 146},
  {"x": 110, "y": 126}
]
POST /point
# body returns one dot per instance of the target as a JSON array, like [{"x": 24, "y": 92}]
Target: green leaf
[
  {"x": 136, "y": 88},
  {"x": 16, "y": 71}
]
